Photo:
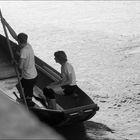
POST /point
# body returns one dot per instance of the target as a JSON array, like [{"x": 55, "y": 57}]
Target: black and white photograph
[{"x": 70, "y": 70}]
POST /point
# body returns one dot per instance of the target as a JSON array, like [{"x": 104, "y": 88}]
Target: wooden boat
[{"x": 72, "y": 108}]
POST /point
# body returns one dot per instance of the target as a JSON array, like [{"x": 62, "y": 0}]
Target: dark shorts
[
  {"x": 28, "y": 85},
  {"x": 49, "y": 93},
  {"x": 68, "y": 90}
]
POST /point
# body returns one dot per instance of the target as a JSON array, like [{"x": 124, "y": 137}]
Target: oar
[{"x": 14, "y": 61}]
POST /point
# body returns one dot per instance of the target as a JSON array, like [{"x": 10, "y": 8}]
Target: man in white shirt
[
  {"x": 26, "y": 63},
  {"x": 66, "y": 86}
]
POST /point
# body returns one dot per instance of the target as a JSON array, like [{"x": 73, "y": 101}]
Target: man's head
[
  {"x": 22, "y": 37},
  {"x": 60, "y": 57}
]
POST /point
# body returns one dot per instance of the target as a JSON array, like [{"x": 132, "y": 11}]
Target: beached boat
[{"x": 72, "y": 108}]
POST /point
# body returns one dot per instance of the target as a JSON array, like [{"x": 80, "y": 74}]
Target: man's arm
[
  {"x": 21, "y": 63},
  {"x": 66, "y": 80},
  {"x": 12, "y": 32}
]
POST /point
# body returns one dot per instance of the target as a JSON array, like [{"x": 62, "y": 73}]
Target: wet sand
[
  {"x": 73, "y": 132},
  {"x": 88, "y": 130}
]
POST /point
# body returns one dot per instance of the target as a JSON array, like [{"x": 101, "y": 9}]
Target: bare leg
[
  {"x": 49, "y": 94},
  {"x": 51, "y": 103}
]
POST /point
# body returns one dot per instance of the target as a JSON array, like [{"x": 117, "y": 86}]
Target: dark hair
[
  {"x": 61, "y": 56},
  {"x": 22, "y": 37}
]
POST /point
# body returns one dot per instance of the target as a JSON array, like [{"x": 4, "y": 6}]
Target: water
[{"x": 98, "y": 38}]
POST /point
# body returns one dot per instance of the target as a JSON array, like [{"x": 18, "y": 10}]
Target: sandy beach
[{"x": 120, "y": 103}]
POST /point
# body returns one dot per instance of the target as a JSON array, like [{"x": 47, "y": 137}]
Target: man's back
[{"x": 29, "y": 70}]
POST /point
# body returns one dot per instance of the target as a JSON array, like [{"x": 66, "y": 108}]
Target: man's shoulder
[
  {"x": 28, "y": 46},
  {"x": 68, "y": 65},
  {"x": 23, "y": 50}
]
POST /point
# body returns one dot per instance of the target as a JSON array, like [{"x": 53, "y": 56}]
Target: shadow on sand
[
  {"x": 73, "y": 132},
  {"x": 98, "y": 131},
  {"x": 88, "y": 130}
]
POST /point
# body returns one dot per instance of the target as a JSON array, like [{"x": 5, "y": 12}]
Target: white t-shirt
[
  {"x": 29, "y": 71},
  {"x": 68, "y": 69}
]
